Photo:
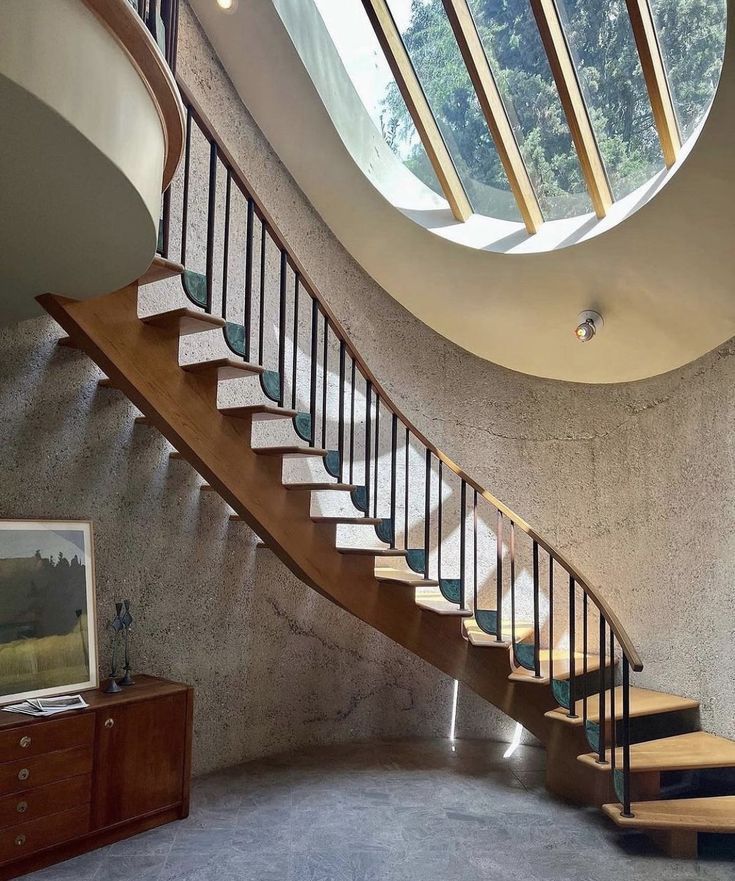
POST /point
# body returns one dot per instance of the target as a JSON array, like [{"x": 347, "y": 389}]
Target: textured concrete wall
[{"x": 633, "y": 482}]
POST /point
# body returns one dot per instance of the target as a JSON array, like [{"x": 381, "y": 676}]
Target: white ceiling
[{"x": 662, "y": 279}]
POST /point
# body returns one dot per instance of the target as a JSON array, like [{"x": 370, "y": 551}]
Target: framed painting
[{"x": 48, "y": 628}]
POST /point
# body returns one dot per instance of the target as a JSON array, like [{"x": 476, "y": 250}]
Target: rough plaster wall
[{"x": 633, "y": 482}]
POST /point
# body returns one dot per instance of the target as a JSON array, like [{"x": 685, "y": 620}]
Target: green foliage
[{"x": 691, "y": 33}]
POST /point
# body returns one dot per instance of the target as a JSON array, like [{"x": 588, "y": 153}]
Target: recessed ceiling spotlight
[
  {"x": 226, "y": 4},
  {"x": 589, "y": 323}
]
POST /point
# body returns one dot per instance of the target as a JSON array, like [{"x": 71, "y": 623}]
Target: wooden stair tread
[
  {"x": 684, "y": 752},
  {"x": 643, "y": 702},
  {"x": 226, "y": 368},
  {"x": 319, "y": 487},
  {"x": 374, "y": 552},
  {"x": 477, "y": 636},
  {"x": 562, "y": 667},
  {"x": 160, "y": 269},
  {"x": 430, "y": 597},
  {"x": 187, "y": 321},
  {"x": 714, "y": 814},
  {"x": 290, "y": 451},
  {"x": 403, "y": 576},
  {"x": 261, "y": 412},
  {"x": 353, "y": 521}
]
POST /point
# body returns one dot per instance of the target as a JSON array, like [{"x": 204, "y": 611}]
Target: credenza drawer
[
  {"x": 31, "y": 804},
  {"x": 46, "y": 737},
  {"x": 21, "y": 841},
  {"x": 40, "y": 770}
]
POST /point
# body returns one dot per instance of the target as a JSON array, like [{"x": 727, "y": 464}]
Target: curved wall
[
  {"x": 661, "y": 279},
  {"x": 81, "y": 157},
  {"x": 276, "y": 665}
]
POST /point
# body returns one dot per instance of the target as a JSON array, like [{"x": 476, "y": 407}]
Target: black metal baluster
[
  {"x": 427, "y": 512},
  {"x": 282, "y": 330},
  {"x": 536, "y": 616},
  {"x": 352, "y": 423},
  {"x": 513, "y": 584},
  {"x": 341, "y": 411},
  {"x": 377, "y": 455},
  {"x": 261, "y": 315},
  {"x": 603, "y": 657},
  {"x": 585, "y": 653},
  {"x": 226, "y": 244},
  {"x": 406, "y": 530},
  {"x": 499, "y": 578},
  {"x": 211, "y": 211},
  {"x": 626, "y": 812},
  {"x": 368, "y": 444},
  {"x": 613, "y": 719},
  {"x": 248, "y": 317},
  {"x": 312, "y": 381},
  {"x": 439, "y": 525},
  {"x": 166, "y": 223},
  {"x": 325, "y": 372},
  {"x": 462, "y": 544},
  {"x": 475, "y": 580},
  {"x": 295, "y": 359},
  {"x": 551, "y": 618},
  {"x": 185, "y": 195},
  {"x": 393, "y": 476},
  {"x": 572, "y": 714}
]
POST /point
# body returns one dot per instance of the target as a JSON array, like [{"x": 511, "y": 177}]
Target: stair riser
[
  {"x": 643, "y": 728},
  {"x": 583, "y": 685}
]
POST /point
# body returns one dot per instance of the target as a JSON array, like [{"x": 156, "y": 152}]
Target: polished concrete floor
[{"x": 389, "y": 811}]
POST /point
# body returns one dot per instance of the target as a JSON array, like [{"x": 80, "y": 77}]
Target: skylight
[{"x": 532, "y": 110}]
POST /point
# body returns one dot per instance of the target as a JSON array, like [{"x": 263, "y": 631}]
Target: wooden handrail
[
  {"x": 241, "y": 181},
  {"x": 121, "y": 20}
]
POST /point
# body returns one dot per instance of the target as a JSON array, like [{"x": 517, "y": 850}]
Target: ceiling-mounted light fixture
[
  {"x": 227, "y": 5},
  {"x": 589, "y": 323}
]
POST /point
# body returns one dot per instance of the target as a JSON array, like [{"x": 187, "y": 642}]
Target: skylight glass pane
[
  {"x": 601, "y": 40},
  {"x": 516, "y": 54},
  {"x": 434, "y": 53},
  {"x": 364, "y": 61},
  {"x": 691, "y": 34}
]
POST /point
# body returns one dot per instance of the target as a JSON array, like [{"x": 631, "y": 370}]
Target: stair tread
[
  {"x": 430, "y": 597},
  {"x": 264, "y": 411},
  {"x": 713, "y": 814},
  {"x": 317, "y": 487},
  {"x": 159, "y": 269},
  {"x": 290, "y": 451},
  {"x": 402, "y": 576},
  {"x": 354, "y": 521},
  {"x": 562, "y": 667},
  {"x": 186, "y": 320},
  {"x": 683, "y": 752},
  {"x": 477, "y": 636},
  {"x": 227, "y": 368},
  {"x": 643, "y": 702}
]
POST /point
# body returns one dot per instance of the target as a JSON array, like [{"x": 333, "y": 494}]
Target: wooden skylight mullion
[
  {"x": 493, "y": 108},
  {"x": 410, "y": 88},
  {"x": 575, "y": 108},
  {"x": 657, "y": 82}
]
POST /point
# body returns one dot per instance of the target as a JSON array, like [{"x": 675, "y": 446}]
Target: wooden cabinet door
[{"x": 140, "y": 758}]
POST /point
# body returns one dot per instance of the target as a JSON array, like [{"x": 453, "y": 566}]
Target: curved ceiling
[{"x": 662, "y": 279}]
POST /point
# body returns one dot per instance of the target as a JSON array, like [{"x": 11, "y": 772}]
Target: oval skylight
[{"x": 531, "y": 111}]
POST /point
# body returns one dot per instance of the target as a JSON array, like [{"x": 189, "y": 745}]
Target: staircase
[{"x": 271, "y": 404}]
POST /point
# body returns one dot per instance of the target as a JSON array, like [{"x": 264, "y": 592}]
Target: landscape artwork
[{"x": 47, "y": 614}]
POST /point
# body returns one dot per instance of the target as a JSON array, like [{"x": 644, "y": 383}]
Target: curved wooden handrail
[
  {"x": 243, "y": 184},
  {"x": 122, "y": 21}
]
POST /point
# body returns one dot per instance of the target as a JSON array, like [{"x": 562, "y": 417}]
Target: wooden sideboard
[{"x": 83, "y": 779}]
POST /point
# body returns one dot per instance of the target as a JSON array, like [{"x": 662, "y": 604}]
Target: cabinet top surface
[{"x": 145, "y": 688}]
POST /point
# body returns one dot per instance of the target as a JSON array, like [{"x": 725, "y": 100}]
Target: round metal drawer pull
[
  {"x": 20, "y": 840},
  {"x": 21, "y": 807},
  {"x": 25, "y": 741},
  {"x": 24, "y": 774},
  {"x": 109, "y": 723}
]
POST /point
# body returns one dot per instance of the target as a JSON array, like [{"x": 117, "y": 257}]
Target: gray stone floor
[{"x": 389, "y": 811}]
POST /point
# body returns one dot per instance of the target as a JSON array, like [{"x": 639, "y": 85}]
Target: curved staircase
[{"x": 314, "y": 456}]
